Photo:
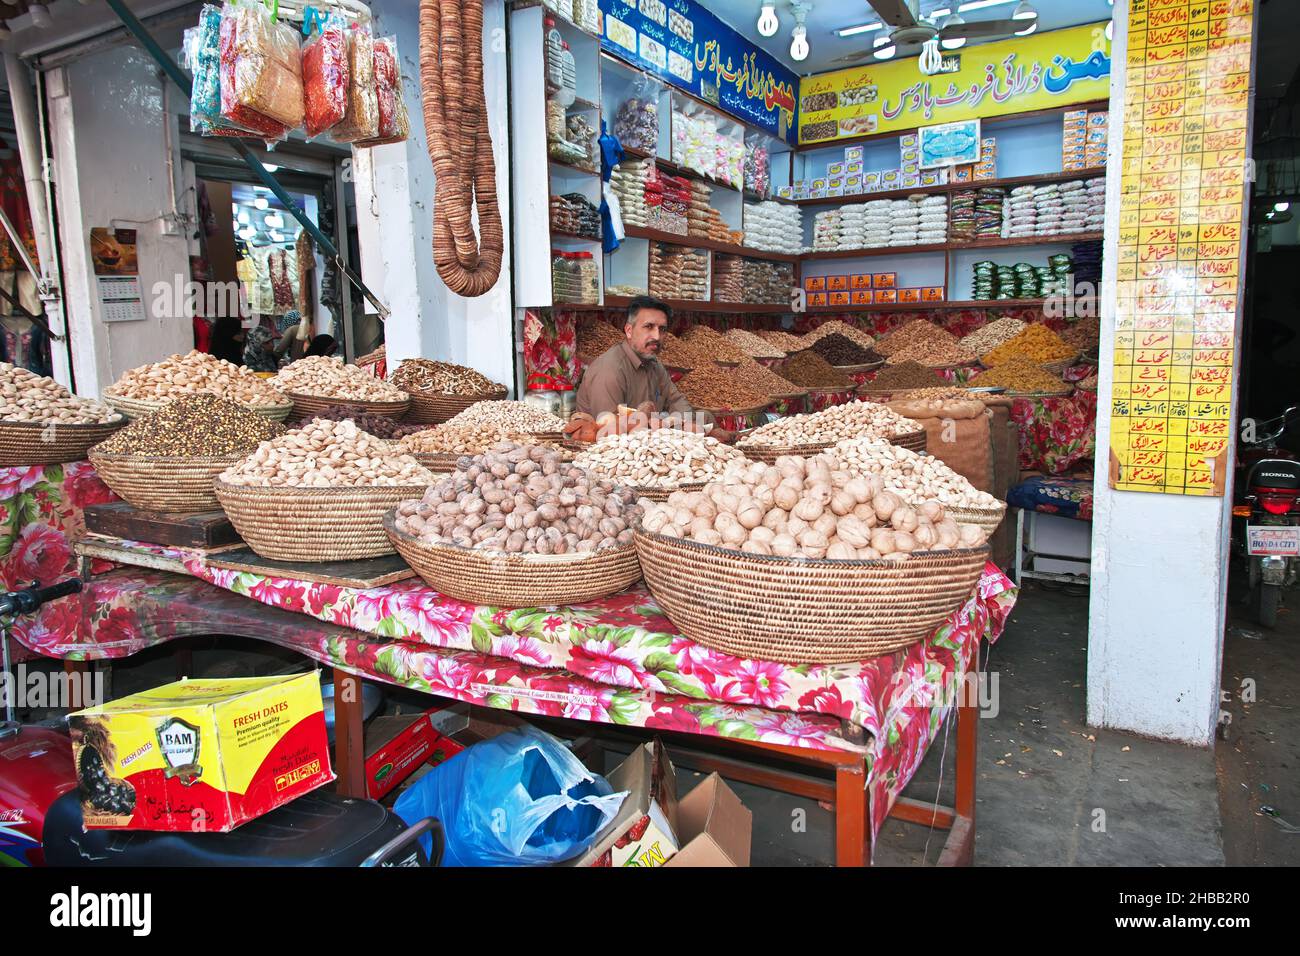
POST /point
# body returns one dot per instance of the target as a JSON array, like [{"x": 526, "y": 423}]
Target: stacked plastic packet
[
  {"x": 758, "y": 170},
  {"x": 1087, "y": 262},
  {"x": 736, "y": 279},
  {"x": 325, "y": 77},
  {"x": 679, "y": 273},
  {"x": 261, "y": 73},
  {"x": 988, "y": 212},
  {"x": 628, "y": 182},
  {"x": 774, "y": 227},
  {"x": 637, "y": 124},
  {"x": 961, "y": 216},
  {"x": 826, "y": 231},
  {"x": 1095, "y": 191},
  {"x": 1021, "y": 213},
  {"x": 1060, "y": 268},
  {"x": 932, "y": 221},
  {"x": 985, "y": 281}
]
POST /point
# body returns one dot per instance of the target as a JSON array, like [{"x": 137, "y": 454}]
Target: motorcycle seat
[
  {"x": 1274, "y": 473},
  {"x": 317, "y": 829}
]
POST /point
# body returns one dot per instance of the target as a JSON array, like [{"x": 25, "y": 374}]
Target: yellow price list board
[{"x": 1181, "y": 238}]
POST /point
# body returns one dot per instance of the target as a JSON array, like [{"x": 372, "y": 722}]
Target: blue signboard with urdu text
[{"x": 685, "y": 45}]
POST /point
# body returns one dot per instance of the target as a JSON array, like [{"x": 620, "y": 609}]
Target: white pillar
[
  {"x": 394, "y": 193},
  {"x": 1159, "y": 562}
]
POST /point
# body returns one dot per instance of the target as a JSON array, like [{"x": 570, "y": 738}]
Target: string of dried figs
[
  {"x": 521, "y": 499},
  {"x": 808, "y": 508}
]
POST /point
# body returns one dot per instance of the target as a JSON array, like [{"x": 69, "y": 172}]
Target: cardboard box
[
  {"x": 860, "y": 280},
  {"x": 201, "y": 754},
  {"x": 814, "y": 284},
  {"x": 1098, "y": 119},
  {"x": 932, "y": 293},
  {"x": 840, "y": 298},
  {"x": 909, "y": 295},
  {"x": 860, "y": 297},
  {"x": 943, "y": 175},
  {"x": 871, "y": 181},
  {"x": 930, "y": 177},
  {"x": 884, "y": 280},
  {"x": 397, "y": 746},
  {"x": 911, "y": 166},
  {"x": 834, "y": 169},
  {"x": 889, "y": 178},
  {"x": 909, "y": 156},
  {"x": 910, "y": 181},
  {"x": 715, "y": 828},
  {"x": 1073, "y": 164},
  {"x": 854, "y": 154},
  {"x": 1074, "y": 139},
  {"x": 909, "y": 141},
  {"x": 836, "y": 191},
  {"x": 839, "y": 283},
  {"x": 818, "y": 298},
  {"x": 786, "y": 192},
  {"x": 644, "y": 832},
  {"x": 1075, "y": 115},
  {"x": 1097, "y": 135},
  {"x": 853, "y": 169},
  {"x": 853, "y": 184},
  {"x": 835, "y": 182},
  {"x": 885, "y": 296},
  {"x": 963, "y": 174},
  {"x": 988, "y": 147},
  {"x": 985, "y": 171},
  {"x": 817, "y": 194},
  {"x": 819, "y": 184}
]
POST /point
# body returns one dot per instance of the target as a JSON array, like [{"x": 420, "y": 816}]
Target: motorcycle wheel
[{"x": 1268, "y": 597}]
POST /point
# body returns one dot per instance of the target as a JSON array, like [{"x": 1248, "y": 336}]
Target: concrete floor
[{"x": 1051, "y": 791}]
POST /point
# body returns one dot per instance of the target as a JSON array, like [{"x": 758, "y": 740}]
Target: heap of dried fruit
[
  {"x": 713, "y": 343},
  {"x": 27, "y": 397},
  {"x": 712, "y": 387},
  {"x": 807, "y": 369},
  {"x": 194, "y": 426},
  {"x": 1037, "y": 344},
  {"x": 328, "y": 377},
  {"x": 753, "y": 345},
  {"x": 657, "y": 459},
  {"x": 1022, "y": 377},
  {"x": 327, "y": 455},
  {"x": 443, "y": 378},
  {"x": 195, "y": 372},
  {"x": 904, "y": 375}
]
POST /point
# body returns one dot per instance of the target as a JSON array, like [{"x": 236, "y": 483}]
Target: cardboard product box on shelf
[
  {"x": 853, "y": 184},
  {"x": 963, "y": 174},
  {"x": 837, "y": 283},
  {"x": 909, "y": 295},
  {"x": 818, "y": 194},
  {"x": 209, "y": 753},
  {"x": 860, "y": 297},
  {"x": 835, "y": 191},
  {"x": 854, "y": 154},
  {"x": 932, "y": 293},
  {"x": 910, "y": 180},
  {"x": 835, "y": 182},
  {"x": 840, "y": 298},
  {"x": 397, "y": 746},
  {"x": 860, "y": 280},
  {"x": 786, "y": 192},
  {"x": 884, "y": 280},
  {"x": 930, "y": 177},
  {"x": 818, "y": 298},
  {"x": 853, "y": 169},
  {"x": 871, "y": 181},
  {"x": 819, "y": 183},
  {"x": 815, "y": 284},
  {"x": 890, "y": 177},
  {"x": 885, "y": 296},
  {"x": 707, "y": 827},
  {"x": 834, "y": 169}
]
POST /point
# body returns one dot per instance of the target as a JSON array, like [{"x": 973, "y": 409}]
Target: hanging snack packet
[
  {"x": 325, "y": 77},
  {"x": 202, "y": 50},
  {"x": 266, "y": 70},
  {"x": 394, "y": 125},
  {"x": 232, "y": 110},
  {"x": 361, "y": 120}
]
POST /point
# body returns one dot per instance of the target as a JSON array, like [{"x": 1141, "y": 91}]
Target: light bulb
[
  {"x": 1110, "y": 30},
  {"x": 260, "y": 202},
  {"x": 274, "y": 221},
  {"x": 884, "y": 48},
  {"x": 1024, "y": 11},
  {"x": 956, "y": 43},
  {"x": 799, "y": 43},
  {"x": 1281, "y": 206},
  {"x": 247, "y": 233},
  {"x": 242, "y": 218},
  {"x": 270, "y": 167},
  {"x": 768, "y": 24}
]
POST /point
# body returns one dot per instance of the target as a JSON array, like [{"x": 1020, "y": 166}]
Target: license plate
[{"x": 1269, "y": 539}]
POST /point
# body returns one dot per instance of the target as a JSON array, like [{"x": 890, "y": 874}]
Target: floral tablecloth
[{"x": 618, "y": 660}]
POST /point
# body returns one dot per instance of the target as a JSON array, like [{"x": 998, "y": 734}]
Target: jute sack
[{"x": 957, "y": 433}]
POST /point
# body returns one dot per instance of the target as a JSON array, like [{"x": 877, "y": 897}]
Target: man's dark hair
[{"x": 647, "y": 302}]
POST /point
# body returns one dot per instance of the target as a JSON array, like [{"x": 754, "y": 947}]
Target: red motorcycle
[
  {"x": 1266, "y": 516},
  {"x": 40, "y": 807}
]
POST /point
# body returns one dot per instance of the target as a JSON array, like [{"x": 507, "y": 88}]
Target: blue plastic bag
[{"x": 520, "y": 799}]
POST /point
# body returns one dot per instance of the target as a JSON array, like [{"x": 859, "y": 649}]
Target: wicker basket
[
  {"x": 804, "y": 611},
  {"x": 856, "y": 369},
  {"x": 661, "y": 494},
  {"x": 986, "y": 518},
  {"x": 770, "y": 453},
  {"x": 167, "y": 484},
  {"x": 135, "y": 408},
  {"x": 498, "y": 579},
  {"x": 313, "y": 524},
  {"x": 305, "y": 406},
  {"x": 913, "y": 440},
  {"x": 34, "y": 443},
  {"x": 1058, "y": 368},
  {"x": 434, "y": 408},
  {"x": 1069, "y": 390},
  {"x": 445, "y": 461}
]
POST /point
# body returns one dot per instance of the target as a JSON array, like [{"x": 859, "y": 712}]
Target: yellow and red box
[
  {"x": 840, "y": 298},
  {"x": 885, "y": 296},
  {"x": 398, "y": 746},
  {"x": 200, "y": 755},
  {"x": 963, "y": 174},
  {"x": 932, "y": 293},
  {"x": 884, "y": 280},
  {"x": 814, "y": 284},
  {"x": 818, "y": 298},
  {"x": 909, "y": 295},
  {"x": 838, "y": 283},
  {"x": 860, "y": 297},
  {"x": 860, "y": 280}
]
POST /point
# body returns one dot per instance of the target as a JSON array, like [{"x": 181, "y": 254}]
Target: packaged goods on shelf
[
  {"x": 637, "y": 124},
  {"x": 1055, "y": 208},
  {"x": 627, "y": 290},
  {"x": 574, "y": 278},
  {"x": 628, "y": 182},
  {"x": 879, "y": 223},
  {"x": 737, "y": 279},
  {"x": 704, "y": 220},
  {"x": 575, "y": 213},
  {"x": 758, "y": 169},
  {"x": 678, "y": 273},
  {"x": 694, "y": 142},
  {"x": 1022, "y": 280},
  {"x": 774, "y": 227}
]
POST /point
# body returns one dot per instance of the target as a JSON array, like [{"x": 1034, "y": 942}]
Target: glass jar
[
  {"x": 588, "y": 277},
  {"x": 556, "y": 118},
  {"x": 565, "y": 284}
]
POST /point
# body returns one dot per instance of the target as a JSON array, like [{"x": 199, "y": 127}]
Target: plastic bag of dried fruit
[
  {"x": 394, "y": 125},
  {"x": 261, "y": 71},
  {"x": 325, "y": 76},
  {"x": 361, "y": 118}
]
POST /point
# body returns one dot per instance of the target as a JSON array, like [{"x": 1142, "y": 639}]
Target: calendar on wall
[{"x": 117, "y": 274}]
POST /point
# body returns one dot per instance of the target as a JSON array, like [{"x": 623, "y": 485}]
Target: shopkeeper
[{"x": 630, "y": 373}]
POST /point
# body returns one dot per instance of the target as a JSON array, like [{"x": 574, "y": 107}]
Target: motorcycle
[
  {"x": 41, "y": 822},
  {"x": 1266, "y": 516}
]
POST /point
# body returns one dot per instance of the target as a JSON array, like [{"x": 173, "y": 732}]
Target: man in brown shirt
[{"x": 630, "y": 373}]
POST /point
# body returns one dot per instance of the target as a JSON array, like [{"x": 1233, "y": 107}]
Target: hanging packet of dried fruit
[
  {"x": 394, "y": 125},
  {"x": 361, "y": 118},
  {"x": 262, "y": 68},
  {"x": 325, "y": 76}
]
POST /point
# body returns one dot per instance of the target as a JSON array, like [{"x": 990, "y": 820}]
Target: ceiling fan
[{"x": 910, "y": 32}]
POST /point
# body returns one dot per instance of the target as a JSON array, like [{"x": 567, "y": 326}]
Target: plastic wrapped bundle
[
  {"x": 202, "y": 47},
  {"x": 264, "y": 68},
  {"x": 232, "y": 110},
  {"x": 394, "y": 125},
  {"x": 361, "y": 120},
  {"x": 325, "y": 77}
]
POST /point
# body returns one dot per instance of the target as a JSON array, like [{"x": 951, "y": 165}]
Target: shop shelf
[
  {"x": 693, "y": 242},
  {"x": 999, "y": 243}
]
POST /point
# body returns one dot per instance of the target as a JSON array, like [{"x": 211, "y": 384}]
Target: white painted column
[
  {"x": 1159, "y": 562},
  {"x": 394, "y": 192}
]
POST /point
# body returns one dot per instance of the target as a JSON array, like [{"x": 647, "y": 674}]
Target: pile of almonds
[
  {"x": 521, "y": 499},
  {"x": 915, "y": 478},
  {"x": 754, "y": 346},
  {"x": 783, "y": 340},
  {"x": 449, "y": 439},
  {"x": 515, "y": 418},
  {"x": 444, "y": 378},
  {"x": 596, "y": 338},
  {"x": 713, "y": 387},
  {"x": 657, "y": 459},
  {"x": 195, "y": 372},
  {"x": 28, "y": 397},
  {"x": 327, "y": 455},
  {"x": 323, "y": 376},
  {"x": 837, "y": 423},
  {"x": 713, "y": 343},
  {"x": 194, "y": 426},
  {"x": 989, "y": 337},
  {"x": 808, "y": 508}
]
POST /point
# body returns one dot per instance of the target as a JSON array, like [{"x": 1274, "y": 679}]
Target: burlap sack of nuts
[{"x": 957, "y": 433}]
